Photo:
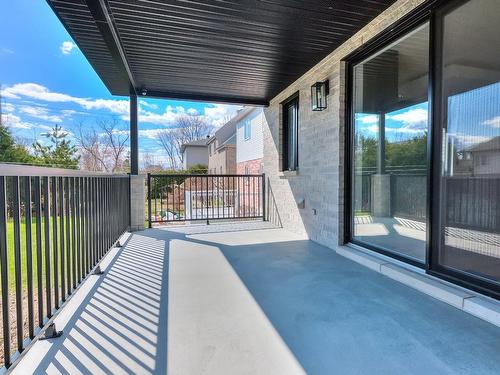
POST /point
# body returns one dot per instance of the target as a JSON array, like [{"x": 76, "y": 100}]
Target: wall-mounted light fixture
[{"x": 319, "y": 92}]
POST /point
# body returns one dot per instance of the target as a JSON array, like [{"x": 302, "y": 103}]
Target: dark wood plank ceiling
[{"x": 244, "y": 51}]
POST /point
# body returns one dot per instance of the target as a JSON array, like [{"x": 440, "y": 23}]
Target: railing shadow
[{"x": 121, "y": 325}]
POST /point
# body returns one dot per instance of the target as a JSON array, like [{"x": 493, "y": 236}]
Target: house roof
[
  {"x": 197, "y": 143},
  {"x": 242, "y": 52},
  {"x": 228, "y": 130},
  {"x": 491, "y": 145}
]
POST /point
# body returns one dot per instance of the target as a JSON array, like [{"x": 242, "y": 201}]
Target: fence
[
  {"x": 184, "y": 197},
  {"x": 53, "y": 232}
]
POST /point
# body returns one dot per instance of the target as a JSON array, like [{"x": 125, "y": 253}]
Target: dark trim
[
  {"x": 433, "y": 12},
  {"x": 399, "y": 28},
  {"x": 134, "y": 137},
  {"x": 205, "y": 98},
  {"x": 476, "y": 284},
  {"x": 102, "y": 17},
  {"x": 291, "y": 100}
]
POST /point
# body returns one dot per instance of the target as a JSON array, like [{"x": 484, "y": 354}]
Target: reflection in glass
[
  {"x": 390, "y": 147},
  {"x": 470, "y": 183}
]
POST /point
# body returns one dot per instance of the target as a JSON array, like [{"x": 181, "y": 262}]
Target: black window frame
[
  {"x": 285, "y": 128},
  {"x": 432, "y": 12}
]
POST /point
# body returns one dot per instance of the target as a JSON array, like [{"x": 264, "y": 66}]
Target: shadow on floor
[
  {"x": 121, "y": 325},
  {"x": 260, "y": 302}
]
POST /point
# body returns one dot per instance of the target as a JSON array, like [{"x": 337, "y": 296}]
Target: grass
[{"x": 35, "y": 260}]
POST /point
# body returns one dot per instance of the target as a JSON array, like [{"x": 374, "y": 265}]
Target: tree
[
  {"x": 104, "y": 147},
  {"x": 60, "y": 153},
  {"x": 10, "y": 150},
  {"x": 186, "y": 129}
]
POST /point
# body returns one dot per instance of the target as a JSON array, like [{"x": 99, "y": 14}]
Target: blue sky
[
  {"x": 46, "y": 80},
  {"x": 473, "y": 118}
]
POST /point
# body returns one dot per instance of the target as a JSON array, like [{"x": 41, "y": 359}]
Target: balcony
[{"x": 251, "y": 298}]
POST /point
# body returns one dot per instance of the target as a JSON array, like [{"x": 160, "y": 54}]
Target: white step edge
[{"x": 468, "y": 301}]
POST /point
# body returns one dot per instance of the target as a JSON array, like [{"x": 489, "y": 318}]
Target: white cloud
[
  {"x": 39, "y": 112},
  {"x": 493, "y": 122},
  {"x": 215, "y": 114},
  {"x": 368, "y": 119},
  {"x": 15, "y": 122},
  {"x": 66, "y": 47},
  {"x": 219, "y": 114},
  {"x": 6, "y": 51},
  {"x": 412, "y": 117}
]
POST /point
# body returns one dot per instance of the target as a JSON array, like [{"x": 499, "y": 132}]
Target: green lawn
[{"x": 11, "y": 256}]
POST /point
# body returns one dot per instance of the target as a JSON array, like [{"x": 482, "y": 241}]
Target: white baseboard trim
[{"x": 466, "y": 300}]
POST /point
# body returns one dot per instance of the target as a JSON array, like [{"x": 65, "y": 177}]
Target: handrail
[{"x": 7, "y": 169}]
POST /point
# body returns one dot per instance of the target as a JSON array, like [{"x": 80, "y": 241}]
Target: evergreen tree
[
  {"x": 60, "y": 153},
  {"x": 10, "y": 151}
]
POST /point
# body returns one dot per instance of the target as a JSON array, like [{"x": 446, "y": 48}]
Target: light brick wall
[{"x": 320, "y": 179}]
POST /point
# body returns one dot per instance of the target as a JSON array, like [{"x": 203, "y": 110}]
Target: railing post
[
  {"x": 149, "y": 201},
  {"x": 264, "y": 197}
]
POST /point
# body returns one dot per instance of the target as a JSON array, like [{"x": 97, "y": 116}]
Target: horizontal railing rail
[
  {"x": 54, "y": 230},
  {"x": 195, "y": 197}
]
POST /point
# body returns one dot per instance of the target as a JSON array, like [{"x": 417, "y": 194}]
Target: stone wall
[{"x": 317, "y": 186}]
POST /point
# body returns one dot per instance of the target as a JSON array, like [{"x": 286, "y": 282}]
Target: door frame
[{"x": 432, "y": 12}]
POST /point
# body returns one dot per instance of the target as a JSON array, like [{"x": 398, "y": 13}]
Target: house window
[
  {"x": 290, "y": 152},
  {"x": 247, "y": 130}
]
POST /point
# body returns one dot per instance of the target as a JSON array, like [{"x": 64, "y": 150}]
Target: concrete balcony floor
[{"x": 249, "y": 299}]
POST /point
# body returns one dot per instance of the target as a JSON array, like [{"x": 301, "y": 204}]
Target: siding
[{"x": 252, "y": 148}]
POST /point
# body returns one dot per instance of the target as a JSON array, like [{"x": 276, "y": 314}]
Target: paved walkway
[{"x": 243, "y": 299}]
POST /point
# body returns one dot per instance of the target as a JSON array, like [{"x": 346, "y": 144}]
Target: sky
[
  {"x": 46, "y": 80},
  {"x": 473, "y": 117}
]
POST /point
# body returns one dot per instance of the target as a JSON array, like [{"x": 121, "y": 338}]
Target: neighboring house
[
  {"x": 194, "y": 153},
  {"x": 222, "y": 148},
  {"x": 249, "y": 142},
  {"x": 486, "y": 158}
]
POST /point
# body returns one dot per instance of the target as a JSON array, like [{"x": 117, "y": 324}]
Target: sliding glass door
[
  {"x": 390, "y": 107},
  {"x": 440, "y": 212},
  {"x": 470, "y": 122}
]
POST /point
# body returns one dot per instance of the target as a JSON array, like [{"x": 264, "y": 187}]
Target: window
[
  {"x": 390, "y": 124},
  {"x": 247, "y": 130},
  {"x": 290, "y": 153}
]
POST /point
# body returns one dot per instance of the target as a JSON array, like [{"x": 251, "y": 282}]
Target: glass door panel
[
  {"x": 470, "y": 165},
  {"x": 389, "y": 173}
]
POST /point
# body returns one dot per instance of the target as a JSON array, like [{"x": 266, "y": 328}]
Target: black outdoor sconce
[{"x": 319, "y": 92}]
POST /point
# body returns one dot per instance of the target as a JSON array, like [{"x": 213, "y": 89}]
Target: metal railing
[
  {"x": 54, "y": 230},
  {"x": 194, "y": 197}
]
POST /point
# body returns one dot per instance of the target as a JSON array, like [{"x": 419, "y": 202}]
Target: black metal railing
[
  {"x": 194, "y": 197},
  {"x": 54, "y": 230}
]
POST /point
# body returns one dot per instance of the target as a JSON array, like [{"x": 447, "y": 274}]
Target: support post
[
  {"x": 134, "y": 137},
  {"x": 264, "y": 197}
]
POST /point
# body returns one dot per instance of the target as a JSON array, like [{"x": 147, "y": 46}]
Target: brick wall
[
  {"x": 319, "y": 180},
  {"x": 253, "y": 166}
]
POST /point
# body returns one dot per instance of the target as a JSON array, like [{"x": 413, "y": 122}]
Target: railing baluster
[
  {"x": 77, "y": 230},
  {"x": 68, "y": 235},
  {"x": 61, "y": 230},
  {"x": 4, "y": 261},
  {"x": 39, "y": 272},
  {"x": 16, "y": 215},
  {"x": 29, "y": 255},
  {"x": 55, "y": 242},
  {"x": 46, "y": 216},
  {"x": 73, "y": 233}
]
